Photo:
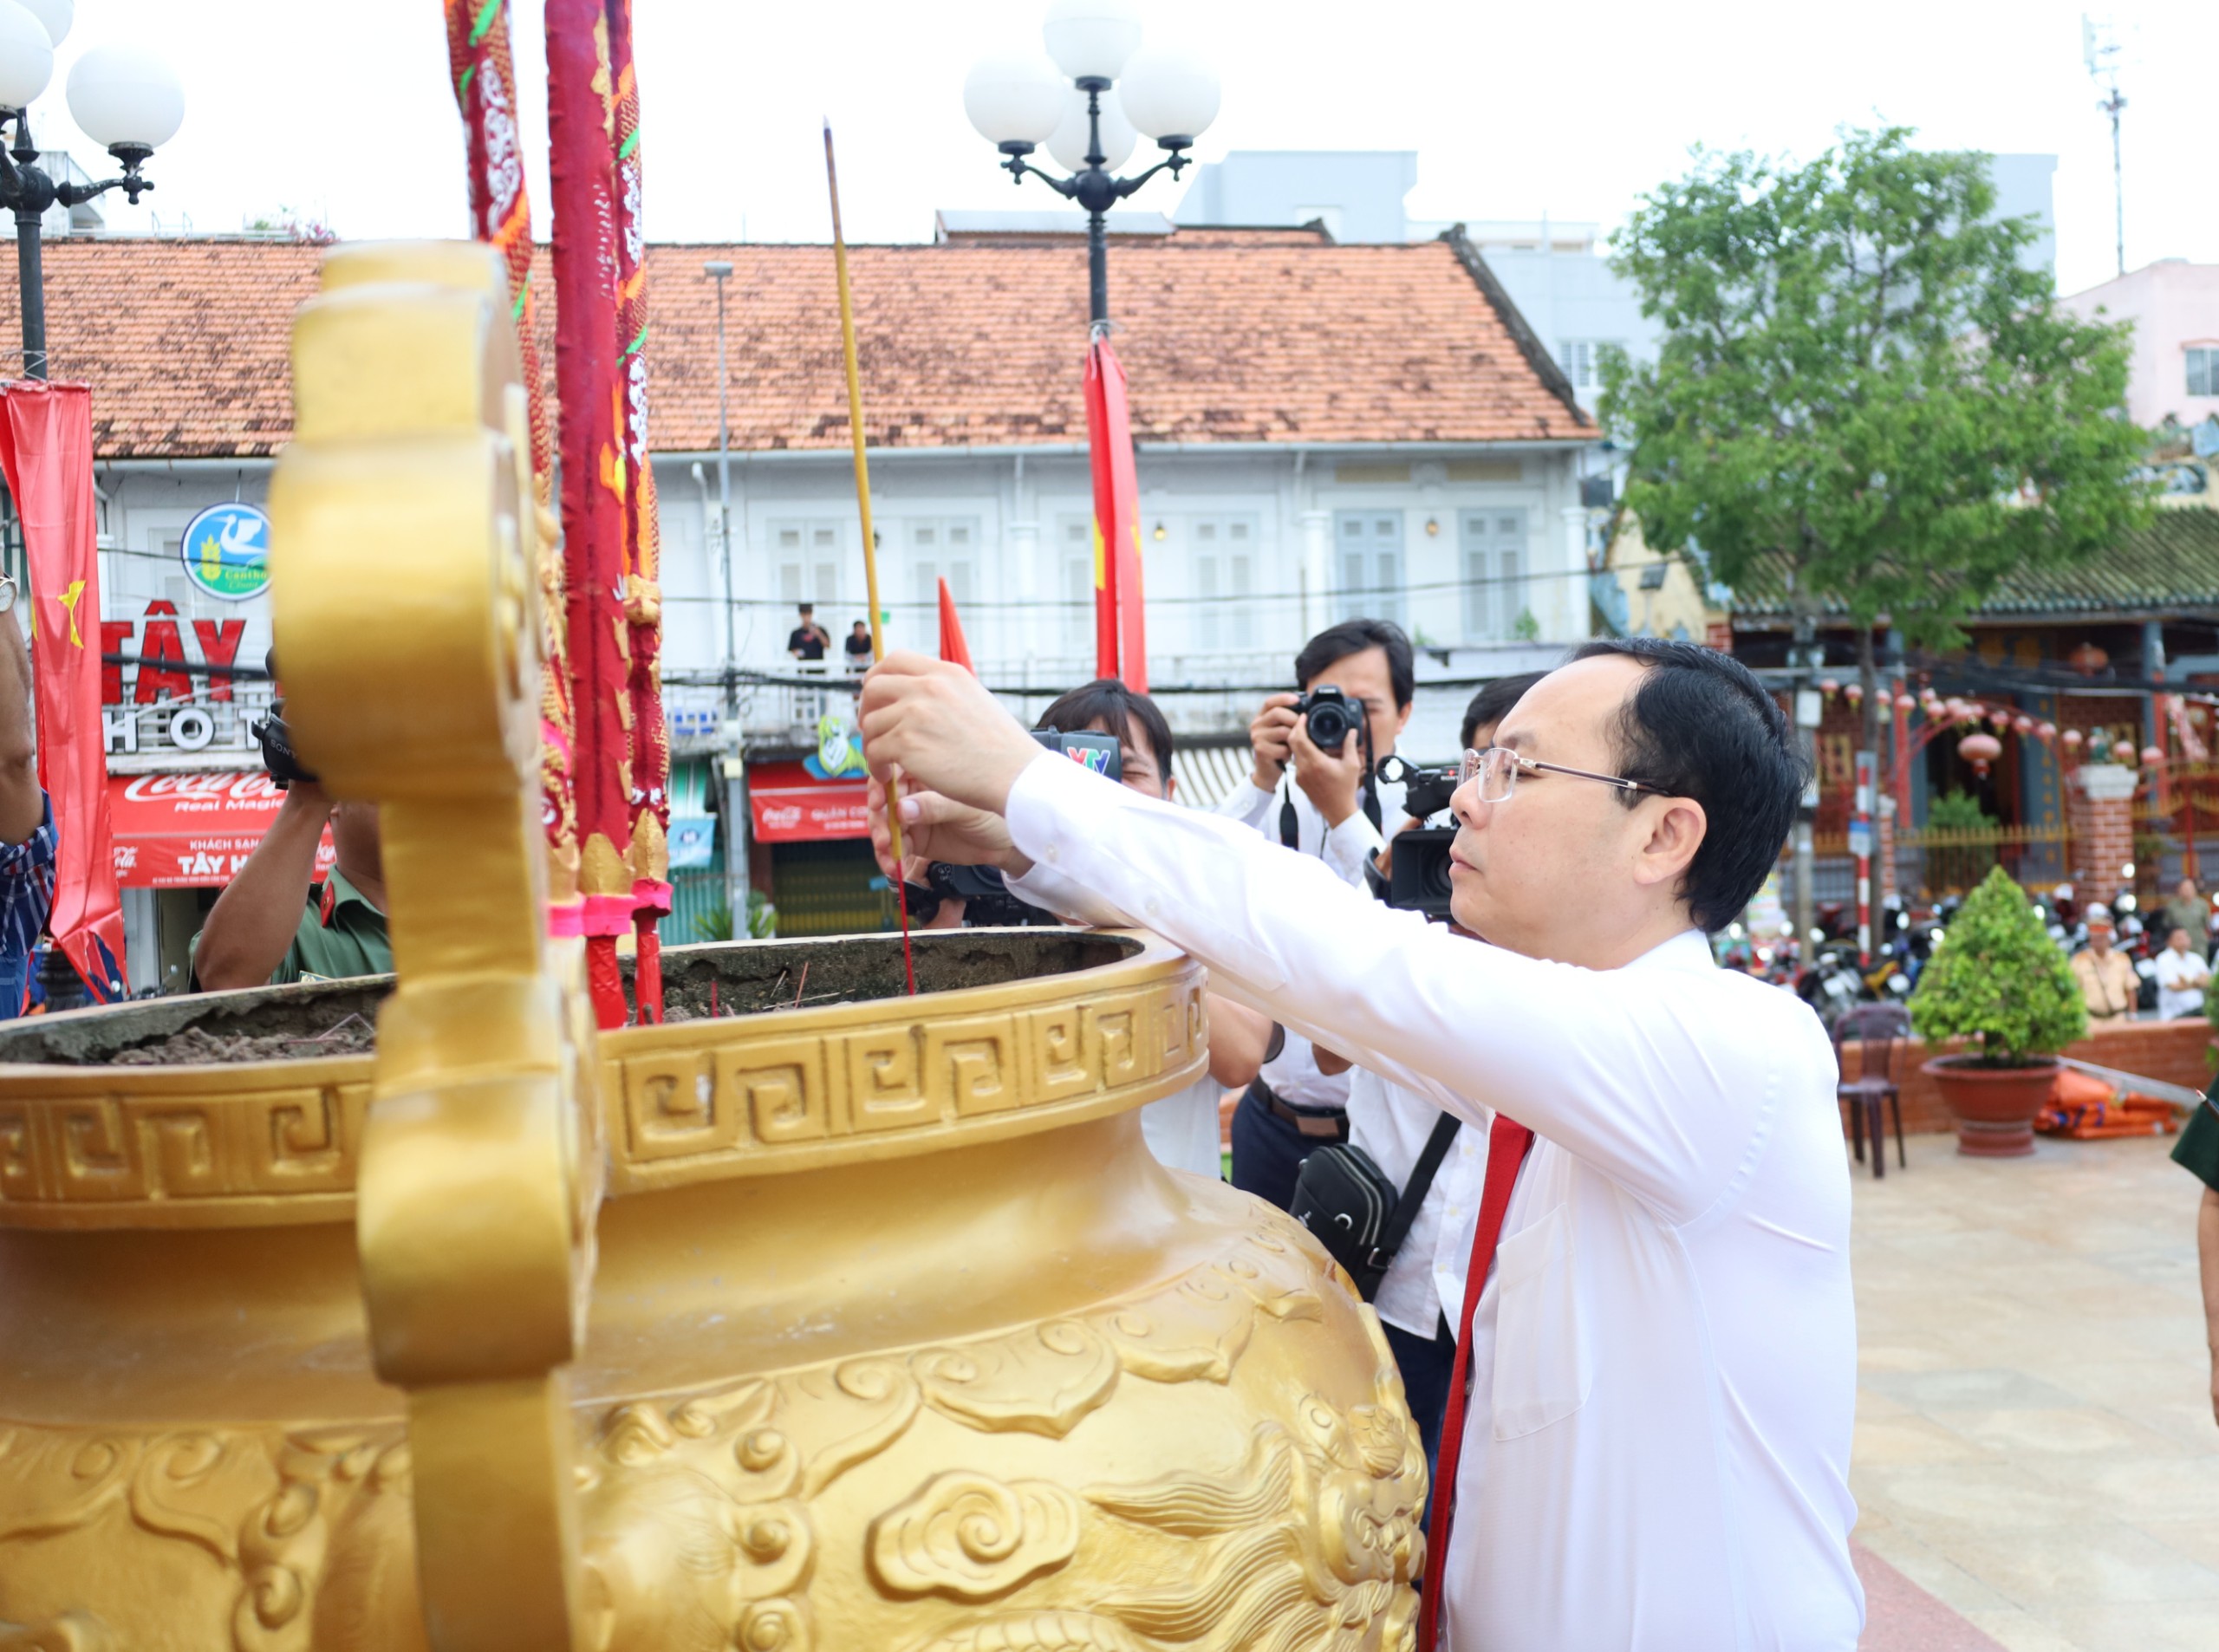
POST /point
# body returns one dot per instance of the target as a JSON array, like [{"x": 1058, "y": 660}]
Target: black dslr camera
[
  {"x": 1331, "y": 715},
  {"x": 987, "y": 903},
  {"x": 1418, "y": 878},
  {"x": 276, "y": 739}
]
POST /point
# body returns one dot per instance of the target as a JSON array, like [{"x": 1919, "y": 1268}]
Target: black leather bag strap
[{"x": 1421, "y": 1182}]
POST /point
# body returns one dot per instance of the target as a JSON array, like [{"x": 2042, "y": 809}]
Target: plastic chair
[{"x": 1876, "y": 1028}]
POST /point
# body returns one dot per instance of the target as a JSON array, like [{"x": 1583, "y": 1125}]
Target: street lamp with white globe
[
  {"x": 1096, "y": 92},
  {"x": 124, "y": 97}
]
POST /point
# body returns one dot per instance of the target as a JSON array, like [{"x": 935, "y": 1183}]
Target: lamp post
[
  {"x": 719, "y": 272},
  {"x": 734, "y": 761},
  {"x": 122, "y": 97},
  {"x": 1090, "y": 106}
]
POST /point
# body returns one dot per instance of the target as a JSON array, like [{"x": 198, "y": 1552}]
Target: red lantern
[
  {"x": 1854, "y": 694},
  {"x": 2001, "y": 717},
  {"x": 1904, "y": 703},
  {"x": 2152, "y": 756},
  {"x": 2087, "y": 660},
  {"x": 2022, "y": 725},
  {"x": 2072, "y": 738},
  {"x": 1829, "y": 688},
  {"x": 2046, "y": 732},
  {"x": 2123, "y": 752},
  {"x": 1980, "y": 750}
]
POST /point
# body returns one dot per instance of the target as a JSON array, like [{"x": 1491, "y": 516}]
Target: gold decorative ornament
[{"x": 867, "y": 1325}]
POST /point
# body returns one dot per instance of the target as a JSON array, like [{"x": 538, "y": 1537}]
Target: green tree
[
  {"x": 1862, "y": 392},
  {"x": 1998, "y": 977}
]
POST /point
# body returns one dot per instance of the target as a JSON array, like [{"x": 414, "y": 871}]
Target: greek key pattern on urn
[{"x": 743, "y": 1104}]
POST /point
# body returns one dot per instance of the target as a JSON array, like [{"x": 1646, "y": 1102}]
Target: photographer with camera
[
  {"x": 1311, "y": 787},
  {"x": 1648, "y": 1431},
  {"x": 1182, "y": 1130},
  {"x": 274, "y": 923}
]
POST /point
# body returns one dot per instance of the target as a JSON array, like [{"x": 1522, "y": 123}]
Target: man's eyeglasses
[{"x": 1497, "y": 770}]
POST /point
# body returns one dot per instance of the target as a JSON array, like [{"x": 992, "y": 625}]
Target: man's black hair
[
  {"x": 1338, "y": 642},
  {"x": 1120, "y": 710},
  {"x": 1492, "y": 703},
  {"x": 806, "y": 608},
  {"x": 1699, "y": 725}
]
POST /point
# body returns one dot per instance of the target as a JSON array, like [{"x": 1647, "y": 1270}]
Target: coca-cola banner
[
  {"x": 192, "y": 831},
  {"x": 791, "y": 805}
]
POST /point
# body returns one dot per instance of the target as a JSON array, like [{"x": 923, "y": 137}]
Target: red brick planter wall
[{"x": 2170, "y": 1051}]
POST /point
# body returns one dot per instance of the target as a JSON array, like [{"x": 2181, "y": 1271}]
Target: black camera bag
[{"x": 1344, "y": 1197}]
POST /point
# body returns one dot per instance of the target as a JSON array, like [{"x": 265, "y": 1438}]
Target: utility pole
[
  {"x": 2100, "y": 53},
  {"x": 734, "y": 760}
]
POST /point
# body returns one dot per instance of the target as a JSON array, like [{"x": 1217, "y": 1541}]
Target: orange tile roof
[{"x": 1225, "y": 339}]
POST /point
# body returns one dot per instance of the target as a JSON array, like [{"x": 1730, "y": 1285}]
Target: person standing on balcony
[
  {"x": 858, "y": 647},
  {"x": 2106, "y": 976},
  {"x": 808, "y": 639}
]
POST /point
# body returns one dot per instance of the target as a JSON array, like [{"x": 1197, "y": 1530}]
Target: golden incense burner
[{"x": 866, "y": 1325}]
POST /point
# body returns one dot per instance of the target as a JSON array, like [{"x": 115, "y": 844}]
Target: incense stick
[{"x": 870, "y": 539}]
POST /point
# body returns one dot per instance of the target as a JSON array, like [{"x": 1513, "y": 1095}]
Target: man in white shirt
[
  {"x": 1423, "y": 1288},
  {"x": 1662, "y": 1365},
  {"x": 2182, "y": 976},
  {"x": 1327, "y": 804}
]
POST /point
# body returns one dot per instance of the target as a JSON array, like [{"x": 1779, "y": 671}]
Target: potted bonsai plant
[{"x": 1999, "y": 978}]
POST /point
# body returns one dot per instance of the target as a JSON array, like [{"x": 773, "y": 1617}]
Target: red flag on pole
[
  {"x": 953, "y": 648},
  {"x": 46, "y": 448},
  {"x": 1120, "y": 625},
  {"x": 581, "y": 172},
  {"x": 649, "y": 852},
  {"x": 500, "y": 213}
]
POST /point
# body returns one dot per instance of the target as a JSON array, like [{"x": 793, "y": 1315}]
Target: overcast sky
[{"x": 344, "y": 112}]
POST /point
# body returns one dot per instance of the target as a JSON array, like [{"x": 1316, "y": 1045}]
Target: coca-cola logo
[
  {"x": 781, "y": 817},
  {"x": 253, "y": 788}
]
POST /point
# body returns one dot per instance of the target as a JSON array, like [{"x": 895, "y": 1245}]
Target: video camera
[
  {"x": 987, "y": 903},
  {"x": 1417, "y": 879}
]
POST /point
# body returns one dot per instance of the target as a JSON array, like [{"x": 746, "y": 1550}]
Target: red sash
[{"x": 1507, "y": 1146}]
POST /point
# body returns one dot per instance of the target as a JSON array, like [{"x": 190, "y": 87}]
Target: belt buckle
[{"x": 1320, "y": 1124}]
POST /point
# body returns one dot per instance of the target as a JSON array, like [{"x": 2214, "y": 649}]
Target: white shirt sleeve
[
  {"x": 1350, "y": 846},
  {"x": 1252, "y": 808},
  {"x": 1636, "y": 1071}
]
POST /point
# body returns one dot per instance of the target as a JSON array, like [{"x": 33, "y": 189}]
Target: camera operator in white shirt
[
  {"x": 1663, "y": 1366},
  {"x": 1324, "y": 802}
]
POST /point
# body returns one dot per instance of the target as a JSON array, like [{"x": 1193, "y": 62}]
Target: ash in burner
[{"x": 195, "y": 1045}]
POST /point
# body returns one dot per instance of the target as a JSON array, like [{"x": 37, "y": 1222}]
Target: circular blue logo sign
[{"x": 226, "y": 551}]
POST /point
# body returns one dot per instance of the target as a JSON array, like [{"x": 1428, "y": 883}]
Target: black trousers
[
  {"x": 1267, "y": 1150},
  {"x": 1427, "y": 1365}
]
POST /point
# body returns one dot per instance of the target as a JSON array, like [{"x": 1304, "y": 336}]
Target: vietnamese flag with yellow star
[{"x": 46, "y": 450}]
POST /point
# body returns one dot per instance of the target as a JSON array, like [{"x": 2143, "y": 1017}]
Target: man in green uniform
[
  {"x": 2198, "y": 1149},
  {"x": 273, "y": 924}
]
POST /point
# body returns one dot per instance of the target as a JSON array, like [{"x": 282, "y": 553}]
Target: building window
[
  {"x": 1492, "y": 545},
  {"x": 941, "y": 548},
  {"x": 1077, "y": 536},
  {"x": 807, "y": 555},
  {"x": 1223, "y": 582},
  {"x": 1370, "y": 562},
  {"x": 1582, "y": 360},
  {"x": 2204, "y": 371}
]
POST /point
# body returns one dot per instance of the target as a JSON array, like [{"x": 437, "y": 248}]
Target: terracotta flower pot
[{"x": 1995, "y": 1107}]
